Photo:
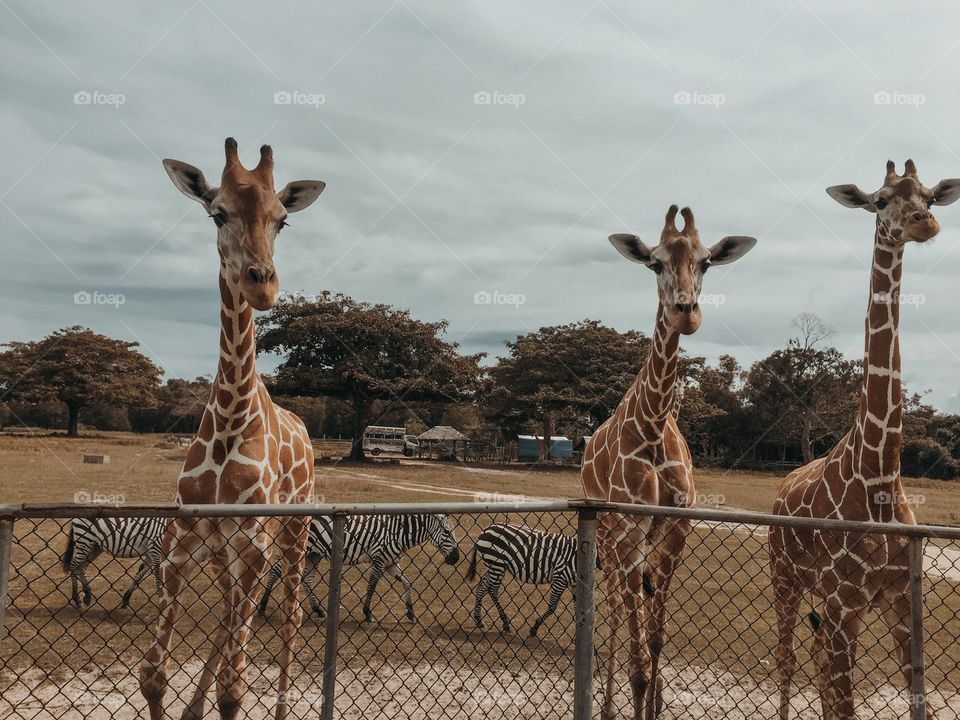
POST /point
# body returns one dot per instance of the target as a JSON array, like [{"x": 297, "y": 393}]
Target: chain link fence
[{"x": 78, "y": 656}]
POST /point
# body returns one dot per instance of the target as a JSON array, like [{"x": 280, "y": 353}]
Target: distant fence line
[{"x": 723, "y": 564}]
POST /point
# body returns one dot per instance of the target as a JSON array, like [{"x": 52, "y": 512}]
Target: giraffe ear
[
  {"x": 632, "y": 248},
  {"x": 730, "y": 248},
  {"x": 851, "y": 196},
  {"x": 300, "y": 194},
  {"x": 190, "y": 181},
  {"x": 946, "y": 192}
]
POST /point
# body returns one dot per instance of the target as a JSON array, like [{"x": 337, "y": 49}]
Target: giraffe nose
[
  {"x": 260, "y": 275},
  {"x": 685, "y": 308},
  {"x": 921, "y": 216}
]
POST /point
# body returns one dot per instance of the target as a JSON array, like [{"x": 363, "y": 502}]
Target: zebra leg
[
  {"x": 141, "y": 572},
  {"x": 407, "y": 590},
  {"x": 78, "y": 571},
  {"x": 495, "y": 594},
  {"x": 478, "y": 593},
  {"x": 271, "y": 581},
  {"x": 556, "y": 590},
  {"x": 376, "y": 572},
  {"x": 309, "y": 583}
]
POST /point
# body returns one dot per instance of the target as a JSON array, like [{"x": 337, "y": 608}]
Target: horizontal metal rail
[{"x": 735, "y": 517}]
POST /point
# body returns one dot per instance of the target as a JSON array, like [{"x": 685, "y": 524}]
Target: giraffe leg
[
  {"x": 835, "y": 651},
  {"x": 185, "y": 550},
  {"x": 292, "y": 542},
  {"x": 249, "y": 559},
  {"x": 196, "y": 708},
  {"x": 668, "y": 540},
  {"x": 616, "y": 610},
  {"x": 786, "y": 602},
  {"x": 895, "y": 608}
]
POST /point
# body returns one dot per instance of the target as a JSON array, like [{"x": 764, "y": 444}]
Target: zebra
[
  {"x": 120, "y": 537},
  {"x": 378, "y": 539},
  {"x": 530, "y": 556}
]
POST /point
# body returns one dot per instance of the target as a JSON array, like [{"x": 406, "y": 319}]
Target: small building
[
  {"x": 443, "y": 442},
  {"x": 528, "y": 447}
]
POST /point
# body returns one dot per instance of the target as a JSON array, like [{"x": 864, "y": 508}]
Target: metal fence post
[
  {"x": 333, "y": 619},
  {"x": 585, "y": 614},
  {"x": 918, "y": 689},
  {"x": 6, "y": 543}
]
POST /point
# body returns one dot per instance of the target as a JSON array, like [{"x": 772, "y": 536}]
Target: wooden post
[
  {"x": 918, "y": 689},
  {"x": 585, "y": 615},
  {"x": 333, "y": 619}
]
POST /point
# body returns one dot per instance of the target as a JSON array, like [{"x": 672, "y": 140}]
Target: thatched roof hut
[{"x": 443, "y": 441}]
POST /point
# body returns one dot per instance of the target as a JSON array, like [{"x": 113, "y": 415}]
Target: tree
[
  {"x": 804, "y": 392},
  {"x": 178, "y": 407},
  {"x": 574, "y": 374},
  {"x": 337, "y": 347},
  {"x": 79, "y": 368}
]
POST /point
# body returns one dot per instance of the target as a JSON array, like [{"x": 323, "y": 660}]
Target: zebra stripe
[
  {"x": 120, "y": 537},
  {"x": 376, "y": 539},
  {"x": 531, "y": 556}
]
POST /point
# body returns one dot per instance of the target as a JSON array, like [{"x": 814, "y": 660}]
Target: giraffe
[
  {"x": 859, "y": 479},
  {"x": 639, "y": 456},
  {"x": 247, "y": 449}
]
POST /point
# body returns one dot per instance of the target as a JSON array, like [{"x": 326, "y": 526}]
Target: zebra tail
[
  {"x": 472, "y": 570},
  {"x": 67, "y": 556}
]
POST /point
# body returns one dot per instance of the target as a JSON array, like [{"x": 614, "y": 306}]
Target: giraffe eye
[
  {"x": 656, "y": 266},
  {"x": 218, "y": 218},
  {"x": 880, "y": 203},
  {"x": 705, "y": 265},
  {"x": 282, "y": 225}
]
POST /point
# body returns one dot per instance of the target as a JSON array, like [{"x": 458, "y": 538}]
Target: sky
[{"x": 476, "y": 157}]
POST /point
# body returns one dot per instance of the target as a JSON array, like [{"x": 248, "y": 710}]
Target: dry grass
[{"x": 720, "y": 608}]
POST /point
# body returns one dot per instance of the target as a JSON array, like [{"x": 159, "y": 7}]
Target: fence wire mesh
[{"x": 58, "y": 660}]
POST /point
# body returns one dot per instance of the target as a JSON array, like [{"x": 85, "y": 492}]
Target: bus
[{"x": 383, "y": 440}]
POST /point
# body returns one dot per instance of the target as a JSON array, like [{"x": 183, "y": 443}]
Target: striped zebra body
[
  {"x": 529, "y": 555},
  {"x": 380, "y": 540},
  {"x": 119, "y": 537}
]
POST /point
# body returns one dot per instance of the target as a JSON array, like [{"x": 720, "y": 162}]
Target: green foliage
[
  {"x": 79, "y": 368},
  {"x": 334, "y": 346}
]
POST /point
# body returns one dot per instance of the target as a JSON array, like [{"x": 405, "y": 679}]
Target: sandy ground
[{"x": 429, "y": 691}]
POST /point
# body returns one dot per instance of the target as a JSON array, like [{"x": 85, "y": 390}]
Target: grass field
[{"x": 718, "y": 663}]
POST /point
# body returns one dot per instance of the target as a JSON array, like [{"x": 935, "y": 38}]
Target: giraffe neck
[
  {"x": 876, "y": 436},
  {"x": 654, "y": 387},
  {"x": 234, "y": 399}
]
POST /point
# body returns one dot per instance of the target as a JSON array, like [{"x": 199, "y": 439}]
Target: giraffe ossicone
[
  {"x": 859, "y": 479},
  {"x": 247, "y": 450},
  {"x": 639, "y": 456}
]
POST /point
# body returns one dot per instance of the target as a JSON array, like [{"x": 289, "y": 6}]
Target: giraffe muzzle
[
  {"x": 260, "y": 286},
  {"x": 921, "y": 226}
]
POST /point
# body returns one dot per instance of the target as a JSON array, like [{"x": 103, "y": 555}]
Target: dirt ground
[{"x": 57, "y": 662}]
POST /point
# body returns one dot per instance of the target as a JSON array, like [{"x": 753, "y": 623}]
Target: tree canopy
[
  {"x": 79, "y": 368},
  {"x": 337, "y": 347}
]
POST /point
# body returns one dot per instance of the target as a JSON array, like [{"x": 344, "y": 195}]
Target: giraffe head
[
  {"x": 248, "y": 213},
  {"x": 902, "y": 204},
  {"x": 680, "y": 262}
]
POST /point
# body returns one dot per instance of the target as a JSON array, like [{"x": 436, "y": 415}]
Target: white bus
[{"x": 380, "y": 440}]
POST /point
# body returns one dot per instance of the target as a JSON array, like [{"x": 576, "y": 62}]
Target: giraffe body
[
  {"x": 247, "y": 450},
  {"x": 639, "y": 456},
  {"x": 848, "y": 574}
]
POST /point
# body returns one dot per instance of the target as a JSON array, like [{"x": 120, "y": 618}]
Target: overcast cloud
[{"x": 488, "y": 147}]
